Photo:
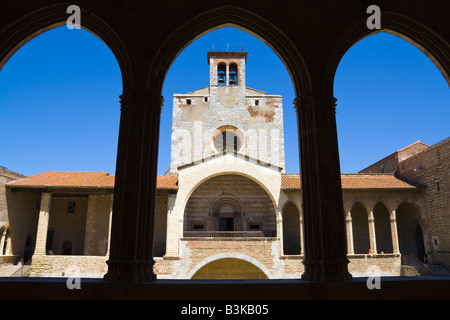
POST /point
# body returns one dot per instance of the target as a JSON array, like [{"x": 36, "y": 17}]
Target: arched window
[
  {"x": 233, "y": 75},
  {"x": 227, "y": 138},
  {"x": 221, "y": 74}
]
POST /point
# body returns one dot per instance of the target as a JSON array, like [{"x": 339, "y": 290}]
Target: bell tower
[
  {"x": 227, "y": 68},
  {"x": 227, "y": 116}
]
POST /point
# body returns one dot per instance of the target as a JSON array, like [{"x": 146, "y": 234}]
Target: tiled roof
[
  {"x": 66, "y": 179},
  {"x": 354, "y": 181},
  {"x": 288, "y": 181},
  {"x": 82, "y": 180}
]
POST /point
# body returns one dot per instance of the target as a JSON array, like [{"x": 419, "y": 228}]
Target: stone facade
[{"x": 255, "y": 117}]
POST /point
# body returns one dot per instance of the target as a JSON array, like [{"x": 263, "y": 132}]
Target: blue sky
[{"x": 59, "y": 100}]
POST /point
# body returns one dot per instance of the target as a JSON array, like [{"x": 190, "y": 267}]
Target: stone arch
[
  {"x": 241, "y": 170},
  {"x": 236, "y": 17},
  {"x": 408, "y": 223},
  {"x": 292, "y": 242},
  {"x": 408, "y": 29},
  {"x": 359, "y": 214},
  {"x": 22, "y": 30},
  {"x": 255, "y": 267},
  {"x": 230, "y": 202},
  {"x": 383, "y": 234}
]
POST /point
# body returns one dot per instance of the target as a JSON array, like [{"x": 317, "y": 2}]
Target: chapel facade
[{"x": 226, "y": 208}]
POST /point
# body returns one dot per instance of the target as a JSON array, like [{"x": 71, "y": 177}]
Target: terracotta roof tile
[
  {"x": 66, "y": 179},
  {"x": 354, "y": 181},
  {"x": 288, "y": 181},
  {"x": 82, "y": 180}
]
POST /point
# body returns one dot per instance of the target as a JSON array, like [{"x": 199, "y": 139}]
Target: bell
[
  {"x": 221, "y": 79},
  {"x": 232, "y": 80}
]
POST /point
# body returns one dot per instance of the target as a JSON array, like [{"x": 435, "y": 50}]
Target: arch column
[
  {"x": 372, "y": 233},
  {"x": 301, "y": 230},
  {"x": 349, "y": 224},
  {"x": 131, "y": 246},
  {"x": 394, "y": 233},
  {"x": 325, "y": 238}
]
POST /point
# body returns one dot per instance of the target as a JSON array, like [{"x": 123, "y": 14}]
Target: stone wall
[
  {"x": 432, "y": 168},
  {"x": 5, "y": 177},
  {"x": 66, "y": 225},
  {"x": 64, "y": 266},
  {"x": 255, "y": 208},
  {"x": 257, "y": 116},
  {"x": 97, "y": 225}
]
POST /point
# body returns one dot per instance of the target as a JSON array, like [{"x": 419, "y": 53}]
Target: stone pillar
[
  {"x": 173, "y": 228},
  {"x": 44, "y": 214},
  {"x": 109, "y": 229},
  {"x": 372, "y": 233},
  {"x": 325, "y": 239},
  {"x": 131, "y": 246},
  {"x": 302, "y": 236},
  {"x": 350, "y": 246},
  {"x": 394, "y": 233}
]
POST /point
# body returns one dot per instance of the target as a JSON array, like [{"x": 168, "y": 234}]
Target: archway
[
  {"x": 410, "y": 231},
  {"x": 382, "y": 228},
  {"x": 385, "y": 74},
  {"x": 229, "y": 267},
  {"x": 72, "y": 83},
  {"x": 265, "y": 71},
  {"x": 231, "y": 203},
  {"x": 360, "y": 227},
  {"x": 291, "y": 229}
]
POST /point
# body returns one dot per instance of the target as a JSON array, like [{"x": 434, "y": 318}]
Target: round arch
[
  {"x": 292, "y": 233},
  {"x": 360, "y": 224},
  {"x": 255, "y": 267},
  {"x": 409, "y": 222},
  {"x": 241, "y": 201},
  {"x": 221, "y": 171},
  {"x": 382, "y": 215},
  {"x": 24, "y": 29},
  {"x": 408, "y": 29},
  {"x": 234, "y": 17}
]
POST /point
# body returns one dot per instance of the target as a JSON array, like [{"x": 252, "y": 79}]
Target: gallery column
[
  {"x": 394, "y": 233},
  {"x": 348, "y": 221},
  {"x": 325, "y": 236},
  {"x": 44, "y": 214},
  {"x": 131, "y": 246},
  {"x": 372, "y": 233}
]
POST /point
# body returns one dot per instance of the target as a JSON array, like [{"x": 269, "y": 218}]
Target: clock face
[{"x": 227, "y": 140}]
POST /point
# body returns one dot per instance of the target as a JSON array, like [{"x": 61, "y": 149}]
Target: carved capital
[
  {"x": 148, "y": 99},
  {"x": 310, "y": 102}
]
